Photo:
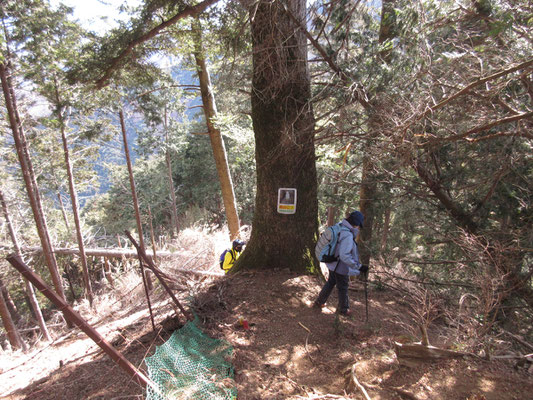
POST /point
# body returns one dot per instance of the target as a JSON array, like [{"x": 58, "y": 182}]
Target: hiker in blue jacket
[{"x": 348, "y": 264}]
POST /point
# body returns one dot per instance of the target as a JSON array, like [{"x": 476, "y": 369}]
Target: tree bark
[
  {"x": 12, "y": 308},
  {"x": 283, "y": 124},
  {"x": 12, "y": 333},
  {"x": 30, "y": 291},
  {"x": 29, "y": 179},
  {"x": 385, "y": 229},
  {"x": 134, "y": 194},
  {"x": 217, "y": 143}
]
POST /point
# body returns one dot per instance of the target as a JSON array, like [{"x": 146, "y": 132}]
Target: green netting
[{"x": 191, "y": 365}]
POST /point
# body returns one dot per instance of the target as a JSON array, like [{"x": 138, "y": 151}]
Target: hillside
[{"x": 291, "y": 350}]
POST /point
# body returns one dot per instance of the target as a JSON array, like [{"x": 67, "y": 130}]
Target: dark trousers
[{"x": 342, "y": 282}]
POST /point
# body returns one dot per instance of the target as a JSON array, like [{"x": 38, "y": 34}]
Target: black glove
[{"x": 363, "y": 269}]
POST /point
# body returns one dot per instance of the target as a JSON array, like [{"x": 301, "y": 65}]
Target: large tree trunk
[
  {"x": 30, "y": 291},
  {"x": 217, "y": 143},
  {"x": 283, "y": 124},
  {"x": 29, "y": 179}
]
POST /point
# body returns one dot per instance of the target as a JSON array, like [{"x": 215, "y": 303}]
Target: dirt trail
[{"x": 291, "y": 351}]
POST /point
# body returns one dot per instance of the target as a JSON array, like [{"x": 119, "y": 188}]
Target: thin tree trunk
[
  {"x": 386, "y": 226},
  {"x": 368, "y": 194},
  {"x": 217, "y": 143},
  {"x": 175, "y": 222},
  {"x": 63, "y": 212},
  {"x": 5, "y": 313},
  {"x": 134, "y": 196},
  {"x": 30, "y": 291},
  {"x": 152, "y": 235},
  {"x": 76, "y": 319},
  {"x": 367, "y": 205},
  {"x": 12, "y": 333},
  {"x": 333, "y": 211},
  {"x": 29, "y": 179},
  {"x": 12, "y": 308},
  {"x": 75, "y": 208}
]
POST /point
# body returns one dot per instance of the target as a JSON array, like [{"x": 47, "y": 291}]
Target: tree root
[{"x": 353, "y": 384}]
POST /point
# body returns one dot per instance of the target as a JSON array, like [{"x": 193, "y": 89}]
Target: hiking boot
[
  {"x": 318, "y": 306},
  {"x": 346, "y": 313}
]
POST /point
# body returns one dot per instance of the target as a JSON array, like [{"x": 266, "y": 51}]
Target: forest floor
[{"x": 290, "y": 351}]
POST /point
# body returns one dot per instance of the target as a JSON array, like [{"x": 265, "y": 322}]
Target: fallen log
[
  {"x": 119, "y": 253},
  {"x": 412, "y": 354},
  {"x": 99, "y": 252}
]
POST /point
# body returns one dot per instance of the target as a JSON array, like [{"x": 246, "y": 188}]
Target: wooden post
[{"x": 76, "y": 319}]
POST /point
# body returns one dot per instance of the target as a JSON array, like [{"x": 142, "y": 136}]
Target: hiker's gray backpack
[{"x": 327, "y": 242}]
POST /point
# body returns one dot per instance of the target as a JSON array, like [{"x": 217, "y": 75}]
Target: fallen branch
[
  {"x": 305, "y": 327},
  {"x": 307, "y": 340},
  {"x": 528, "y": 357},
  {"x": 520, "y": 340},
  {"x": 150, "y": 265},
  {"x": 412, "y": 354}
]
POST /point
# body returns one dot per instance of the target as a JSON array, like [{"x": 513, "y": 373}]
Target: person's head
[
  {"x": 356, "y": 218},
  {"x": 237, "y": 245}
]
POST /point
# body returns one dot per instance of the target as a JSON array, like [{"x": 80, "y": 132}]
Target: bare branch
[
  {"x": 478, "y": 82},
  {"x": 485, "y": 127}
]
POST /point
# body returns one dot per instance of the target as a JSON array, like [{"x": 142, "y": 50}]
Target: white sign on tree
[{"x": 286, "y": 201}]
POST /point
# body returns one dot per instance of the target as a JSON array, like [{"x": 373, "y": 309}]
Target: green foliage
[{"x": 195, "y": 179}]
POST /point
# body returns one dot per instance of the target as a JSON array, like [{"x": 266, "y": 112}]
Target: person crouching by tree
[
  {"x": 347, "y": 264},
  {"x": 231, "y": 255}
]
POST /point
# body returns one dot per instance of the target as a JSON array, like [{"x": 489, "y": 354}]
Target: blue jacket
[{"x": 347, "y": 251}]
